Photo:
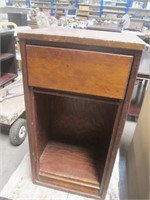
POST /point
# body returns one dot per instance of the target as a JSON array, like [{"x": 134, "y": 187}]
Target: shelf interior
[
  {"x": 72, "y": 136},
  {"x": 77, "y": 163}
]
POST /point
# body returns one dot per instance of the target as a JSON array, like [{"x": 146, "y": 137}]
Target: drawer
[{"x": 79, "y": 71}]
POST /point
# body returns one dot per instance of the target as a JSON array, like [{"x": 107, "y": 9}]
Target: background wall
[{"x": 138, "y": 158}]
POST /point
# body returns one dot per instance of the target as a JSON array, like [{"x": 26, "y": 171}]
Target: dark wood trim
[
  {"x": 81, "y": 47},
  {"x": 29, "y": 111},
  {"x": 76, "y": 96},
  {"x": 119, "y": 124}
]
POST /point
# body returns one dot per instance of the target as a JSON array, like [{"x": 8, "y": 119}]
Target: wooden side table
[{"x": 78, "y": 85}]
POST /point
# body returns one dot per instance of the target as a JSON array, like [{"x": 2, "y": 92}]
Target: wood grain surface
[
  {"x": 78, "y": 87},
  {"x": 69, "y": 157},
  {"x": 84, "y": 72},
  {"x": 85, "y": 37},
  {"x": 77, "y": 132},
  {"x": 72, "y": 166},
  {"x": 75, "y": 121}
]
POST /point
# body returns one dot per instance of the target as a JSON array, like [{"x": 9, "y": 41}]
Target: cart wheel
[{"x": 18, "y": 132}]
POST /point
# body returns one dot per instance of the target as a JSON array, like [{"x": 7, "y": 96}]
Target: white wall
[
  {"x": 138, "y": 157},
  {"x": 2, "y": 3}
]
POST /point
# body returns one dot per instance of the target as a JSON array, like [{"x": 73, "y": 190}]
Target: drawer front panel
[{"x": 86, "y": 72}]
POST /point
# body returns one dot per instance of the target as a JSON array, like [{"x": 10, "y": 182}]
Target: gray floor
[{"x": 11, "y": 156}]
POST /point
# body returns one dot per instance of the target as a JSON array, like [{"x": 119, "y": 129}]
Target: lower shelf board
[
  {"x": 6, "y": 77},
  {"x": 5, "y": 56},
  {"x": 66, "y": 165}
]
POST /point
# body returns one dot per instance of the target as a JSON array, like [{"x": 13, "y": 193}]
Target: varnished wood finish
[
  {"x": 72, "y": 70},
  {"x": 29, "y": 102},
  {"x": 85, "y": 121},
  {"x": 69, "y": 156},
  {"x": 83, "y": 177},
  {"x": 119, "y": 125},
  {"x": 81, "y": 130}
]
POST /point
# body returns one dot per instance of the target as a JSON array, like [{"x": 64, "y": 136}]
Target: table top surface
[
  {"x": 85, "y": 37},
  {"x": 104, "y": 28}
]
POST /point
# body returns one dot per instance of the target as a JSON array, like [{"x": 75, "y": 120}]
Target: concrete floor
[{"x": 10, "y": 156}]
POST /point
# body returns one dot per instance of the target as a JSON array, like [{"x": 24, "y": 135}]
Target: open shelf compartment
[
  {"x": 73, "y": 136},
  {"x": 72, "y": 164}
]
